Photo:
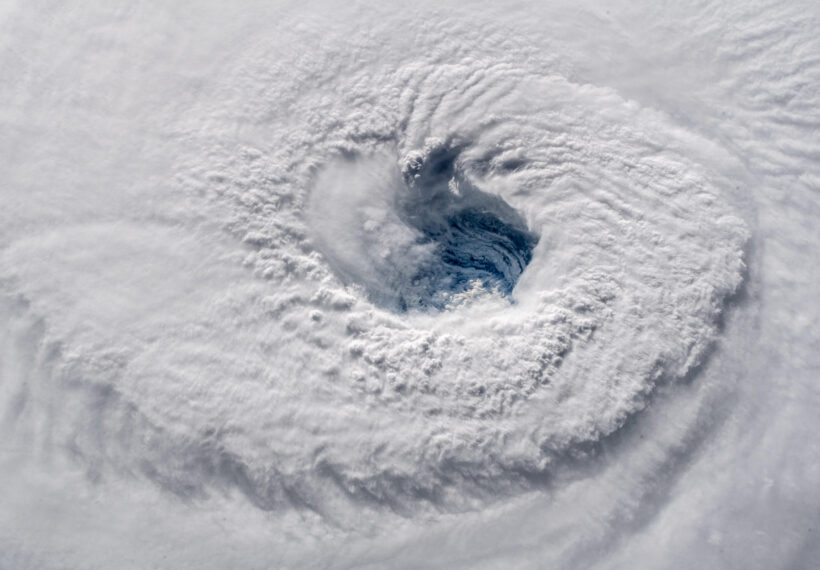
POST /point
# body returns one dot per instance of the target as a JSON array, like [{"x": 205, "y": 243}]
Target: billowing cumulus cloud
[{"x": 478, "y": 286}]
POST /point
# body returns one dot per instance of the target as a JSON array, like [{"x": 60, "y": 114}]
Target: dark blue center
[{"x": 476, "y": 236}]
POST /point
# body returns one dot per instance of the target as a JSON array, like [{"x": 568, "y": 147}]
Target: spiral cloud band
[{"x": 515, "y": 286}]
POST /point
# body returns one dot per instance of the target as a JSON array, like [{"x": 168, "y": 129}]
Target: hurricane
[{"x": 377, "y": 285}]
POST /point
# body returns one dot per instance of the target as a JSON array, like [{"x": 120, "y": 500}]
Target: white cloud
[{"x": 203, "y": 209}]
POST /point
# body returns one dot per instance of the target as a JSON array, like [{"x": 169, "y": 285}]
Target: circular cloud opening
[{"x": 428, "y": 239}]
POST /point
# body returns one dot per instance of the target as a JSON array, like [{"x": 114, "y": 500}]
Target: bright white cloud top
[{"x": 513, "y": 286}]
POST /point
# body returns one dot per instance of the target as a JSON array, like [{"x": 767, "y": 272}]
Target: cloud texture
[{"x": 256, "y": 311}]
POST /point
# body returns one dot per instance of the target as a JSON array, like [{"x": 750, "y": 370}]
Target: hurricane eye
[{"x": 434, "y": 240}]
